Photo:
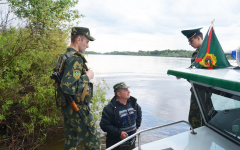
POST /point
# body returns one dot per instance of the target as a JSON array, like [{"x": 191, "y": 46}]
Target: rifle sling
[
  {"x": 83, "y": 93},
  {"x": 61, "y": 69}
]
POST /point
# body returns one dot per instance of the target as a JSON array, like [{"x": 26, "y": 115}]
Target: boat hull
[{"x": 205, "y": 139}]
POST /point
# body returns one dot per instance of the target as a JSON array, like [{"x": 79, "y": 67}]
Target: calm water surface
[{"x": 163, "y": 98}]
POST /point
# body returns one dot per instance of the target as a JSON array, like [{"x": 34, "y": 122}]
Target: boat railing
[{"x": 138, "y": 134}]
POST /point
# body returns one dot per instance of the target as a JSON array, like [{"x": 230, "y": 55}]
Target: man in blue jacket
[{"x": 121, "y": 118}]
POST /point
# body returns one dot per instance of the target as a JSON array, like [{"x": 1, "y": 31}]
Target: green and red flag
[{"x": 211, "y": 54}]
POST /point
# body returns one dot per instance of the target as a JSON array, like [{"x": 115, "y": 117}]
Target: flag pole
[{"x": 213, "y": 23}]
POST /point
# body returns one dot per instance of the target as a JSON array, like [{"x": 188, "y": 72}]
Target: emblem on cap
[
  {"x": 87, "y": 33},
  {"x": 74, "y": 30}
]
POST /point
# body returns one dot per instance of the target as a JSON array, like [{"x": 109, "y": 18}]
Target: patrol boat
[{"x": 218, "y": 95}]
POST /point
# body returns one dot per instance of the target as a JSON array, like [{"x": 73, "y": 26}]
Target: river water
[{"x": 163, "y": 98}]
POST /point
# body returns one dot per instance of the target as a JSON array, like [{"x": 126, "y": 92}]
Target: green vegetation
[
  {"x": 99, "y": 98},
  {"x": 90, "y": 52},
  {"x": 163, "y": 53},
  {"x": 229, "y": 56},
  {"x": 28, "y": 53}
]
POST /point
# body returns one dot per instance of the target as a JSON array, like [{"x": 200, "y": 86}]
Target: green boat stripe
[{"x": 218, "y": 82}]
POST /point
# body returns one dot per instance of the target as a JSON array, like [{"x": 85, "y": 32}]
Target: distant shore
[{"x": 162, "y": 53}]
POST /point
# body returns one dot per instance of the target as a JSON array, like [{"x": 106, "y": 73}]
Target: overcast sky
[{"x": 133, "y": 25}]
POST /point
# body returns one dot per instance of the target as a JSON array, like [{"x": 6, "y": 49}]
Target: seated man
[{"x": 121, "y": 118}]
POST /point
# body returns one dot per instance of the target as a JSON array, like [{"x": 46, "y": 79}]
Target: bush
[
  {"x": 27, "y": 95},
  {"x": 99, "y": 98},
  {"x": 28, "y": 54}
]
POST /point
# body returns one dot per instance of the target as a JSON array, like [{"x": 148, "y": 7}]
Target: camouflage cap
[
  {"x": 119, "y": 86},
  {"x": 82, "y": 31}
]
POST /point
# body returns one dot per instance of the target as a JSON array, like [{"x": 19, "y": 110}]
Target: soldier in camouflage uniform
[
  {"x": 76, "y": 82},
  {"x": 195, "y": 39}
]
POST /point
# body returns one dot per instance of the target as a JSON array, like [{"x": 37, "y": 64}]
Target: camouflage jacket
[
  {"x": 74, "y": 78},
  {"x": 194, "y": 55}
]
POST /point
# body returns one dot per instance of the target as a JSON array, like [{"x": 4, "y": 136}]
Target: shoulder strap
[
  {"x": 69, "y": 54},
  {"x": 86, "y": 85},
  {"x": 83, "y": 93},
  {"x": 65, "y": 57},
  {"x": 58, "y": 63}
]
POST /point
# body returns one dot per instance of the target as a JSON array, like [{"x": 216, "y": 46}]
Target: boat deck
[{"x": 205, "y": 139}]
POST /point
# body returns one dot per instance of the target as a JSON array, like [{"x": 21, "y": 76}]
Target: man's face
[
  {"x": 124, "y": 93},
  {"x": 83, "y": 43},
  {"x": 195, "y": 42}
]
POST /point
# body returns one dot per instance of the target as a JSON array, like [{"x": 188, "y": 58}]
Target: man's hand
[
  {"x": 90, "y": 74},
  {"x": 123, "y": 135}
]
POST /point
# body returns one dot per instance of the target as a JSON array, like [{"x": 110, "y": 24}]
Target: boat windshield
[{"x": 221, "y": 110}]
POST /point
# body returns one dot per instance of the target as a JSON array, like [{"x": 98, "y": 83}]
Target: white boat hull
[{"x": 205, "y": 139}]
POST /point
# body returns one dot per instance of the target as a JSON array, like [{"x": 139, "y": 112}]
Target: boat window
[
  {"x": 221, "y": 103},
  {"x": 221, "y": 110}
]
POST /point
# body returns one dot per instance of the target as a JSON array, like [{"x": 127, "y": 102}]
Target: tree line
[{"x": 161, "y": 53}]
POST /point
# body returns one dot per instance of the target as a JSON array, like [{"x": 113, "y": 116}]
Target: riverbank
[{"x": 160, "y": 53}]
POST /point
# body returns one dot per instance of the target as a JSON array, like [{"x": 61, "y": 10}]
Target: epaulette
[
  {"x": 77, "y": 53},
  {"x": 81, "y": 55},
  {"x": 84, "y": 59}
]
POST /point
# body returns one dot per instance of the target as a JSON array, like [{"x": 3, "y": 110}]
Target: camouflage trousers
[
  {"x": 195, "y": 117},
  {"x": 76, "y": 131}
]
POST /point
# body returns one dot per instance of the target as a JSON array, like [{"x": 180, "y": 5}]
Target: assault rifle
[{"x": 57, "y": 77}]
